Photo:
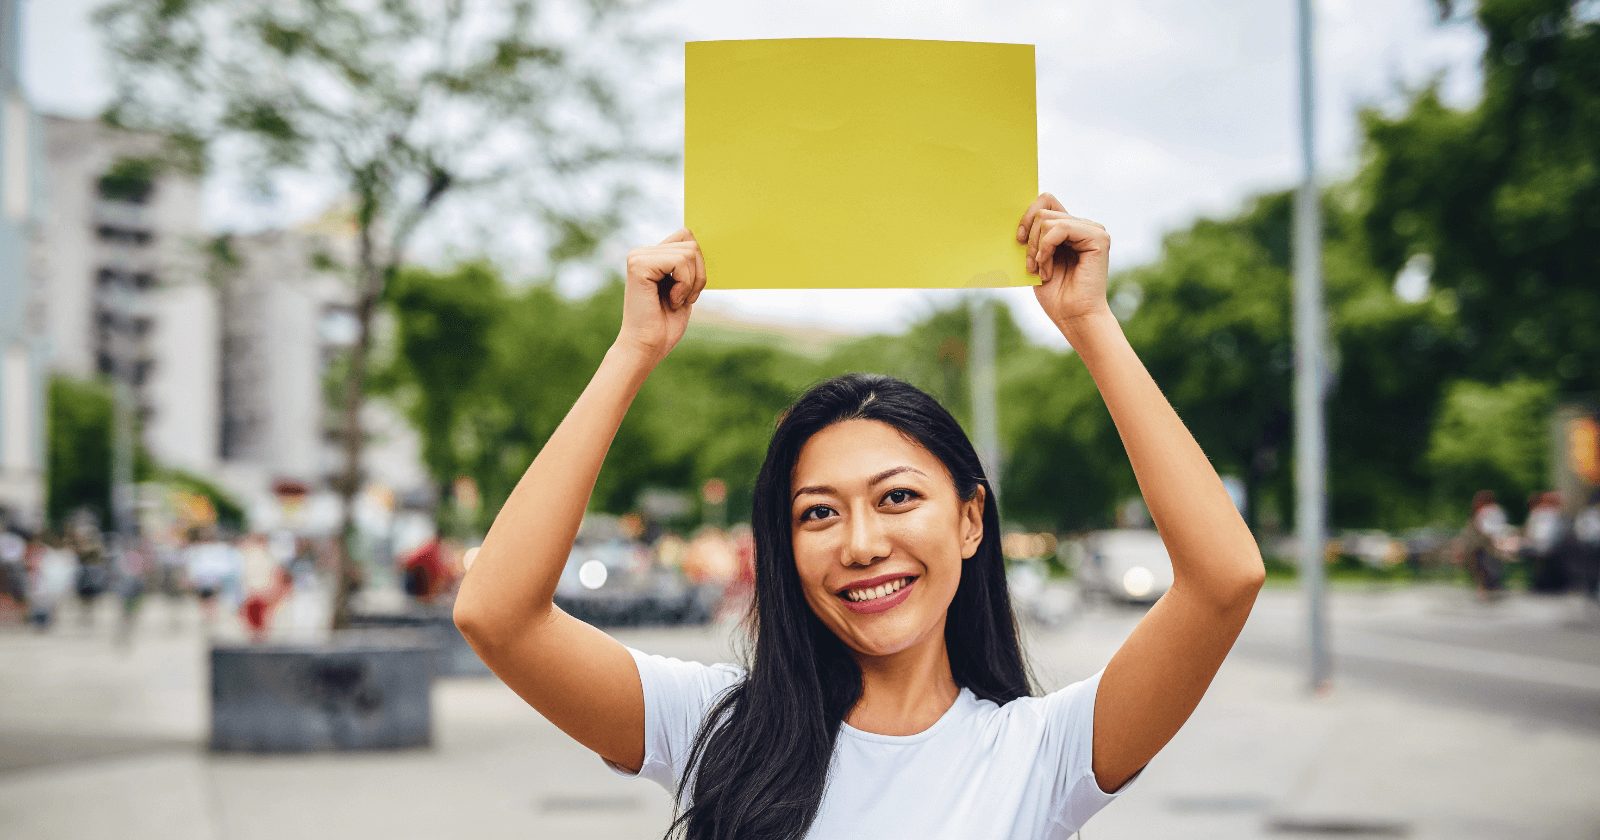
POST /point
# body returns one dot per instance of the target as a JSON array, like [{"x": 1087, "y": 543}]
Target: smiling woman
[{"x": 887, "y": 694}]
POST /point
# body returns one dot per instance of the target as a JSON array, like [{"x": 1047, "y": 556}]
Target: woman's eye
[{"x": 903, "y": 495}]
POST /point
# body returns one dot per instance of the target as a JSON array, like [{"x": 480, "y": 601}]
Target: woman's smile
[{"x": 879, "y": 598}]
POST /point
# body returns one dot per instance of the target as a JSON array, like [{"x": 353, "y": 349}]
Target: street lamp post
[
  {"x": 985, "y": 412},
  {"x": 1310, "y": 450}
]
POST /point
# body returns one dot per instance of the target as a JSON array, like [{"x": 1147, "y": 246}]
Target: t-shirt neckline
[{"x": 963, "y": 698}]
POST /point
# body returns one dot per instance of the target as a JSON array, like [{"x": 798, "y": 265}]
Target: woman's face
[{"x": 867, "y": 502}]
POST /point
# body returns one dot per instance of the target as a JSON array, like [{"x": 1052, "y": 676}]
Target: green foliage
[
  {"x": 1493, "y": 437},
  {"x": 1212, "y": 325},
  {"x": 79, "y": 450},
  {"x": 129, "y": 179},
  {"x": 1505, "y": 196},
  {"x": 444, "y": 324},
  {"x": 1065, "y": 468},
  {"x": 79, "y": 458}
]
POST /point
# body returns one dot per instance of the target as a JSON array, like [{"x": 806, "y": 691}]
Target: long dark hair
[{"x": 759, "y": 765}]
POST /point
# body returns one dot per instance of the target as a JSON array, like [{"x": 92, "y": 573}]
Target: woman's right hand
[{"x": 663, "y": 283}]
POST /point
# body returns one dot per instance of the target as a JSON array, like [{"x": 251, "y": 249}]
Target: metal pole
[
  {"x": 985, "y": 423},
  {"x": 1310, "y": 445}
]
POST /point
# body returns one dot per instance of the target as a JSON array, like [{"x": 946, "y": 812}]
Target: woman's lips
[{"x": 887, "y": 602}]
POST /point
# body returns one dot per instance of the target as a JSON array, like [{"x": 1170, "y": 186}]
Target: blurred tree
[
  {"x": 1504, "y": 197},
  {"x": 1211, "y": 320},
  {"x": 78, "y": 450},
  {"x": 709, "y": 412},
  {"x": 932, "y": 353},
  {"x": 1493, "y": 437},
  {"x": 444, "y": 325},
  {"x": 1065, "y": 469},
  {"x": 404, "y": 102}
]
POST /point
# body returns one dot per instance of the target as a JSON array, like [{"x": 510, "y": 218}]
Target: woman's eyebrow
[{"x": 892, "y": 471}]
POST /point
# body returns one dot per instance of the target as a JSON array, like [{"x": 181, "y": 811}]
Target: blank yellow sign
[{"x": 859, "y": 162}]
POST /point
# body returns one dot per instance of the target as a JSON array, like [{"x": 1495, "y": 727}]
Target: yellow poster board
[{"x": 831, "y": 163}]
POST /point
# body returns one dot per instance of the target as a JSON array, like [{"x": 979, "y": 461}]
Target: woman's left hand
[{"x": 1071, "y": 255}]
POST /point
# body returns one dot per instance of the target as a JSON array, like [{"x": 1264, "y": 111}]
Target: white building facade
[
  {"x": 22, "y": 341},
  {"x": 225, "y": 342}
]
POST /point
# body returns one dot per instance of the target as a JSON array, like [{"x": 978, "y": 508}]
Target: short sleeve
[
  {"x": 677, "y": 697},
  {"x": 1070, "y": 736}
]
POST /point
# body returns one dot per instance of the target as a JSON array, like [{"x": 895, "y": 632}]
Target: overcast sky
[{"x": 1151, "y": 112}]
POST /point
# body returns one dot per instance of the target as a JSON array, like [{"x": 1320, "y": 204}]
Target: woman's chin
[{"x": 885, "y": 639}]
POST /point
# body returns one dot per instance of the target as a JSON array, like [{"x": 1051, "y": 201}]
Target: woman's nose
[{"x": 868, "y": 540}]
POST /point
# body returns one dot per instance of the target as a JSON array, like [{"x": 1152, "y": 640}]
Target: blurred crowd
[
  {"x": 249, "y": 575},
  {"x": 1560, "y": 545}
]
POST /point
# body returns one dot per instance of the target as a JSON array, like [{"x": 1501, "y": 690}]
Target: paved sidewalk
[{"x": 98, "y": 741}]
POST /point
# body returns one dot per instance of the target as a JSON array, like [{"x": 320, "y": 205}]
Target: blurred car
[
  {"x": 1125, "y": 564},
  {"x": 1375, "y": 549},
  {"x": 614, "y": 582},
  {"x": 1033, "y": 596}
]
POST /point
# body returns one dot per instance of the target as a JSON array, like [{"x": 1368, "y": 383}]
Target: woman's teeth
[{"x": 877, "y": 591}]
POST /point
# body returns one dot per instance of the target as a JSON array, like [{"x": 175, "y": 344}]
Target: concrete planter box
[
  {"x": 456, "y": 657},
  {"x": 364, "y": 690},
  {"x": 691, "y": 605}
]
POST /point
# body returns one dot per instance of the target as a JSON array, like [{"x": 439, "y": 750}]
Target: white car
[{"x": 1126, "y": 564}]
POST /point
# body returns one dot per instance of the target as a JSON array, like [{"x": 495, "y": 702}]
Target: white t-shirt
[{"x": 1021, "y": 771}]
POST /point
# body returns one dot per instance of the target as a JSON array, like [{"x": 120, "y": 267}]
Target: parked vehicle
[
  {"x": 1033, "y": 596},
  {"x": 1125, "y": 564},
  {"x": 615, "y": 583}
]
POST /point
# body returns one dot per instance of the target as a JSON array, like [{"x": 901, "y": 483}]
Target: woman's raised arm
[
  {"x": 579, "y": 678},
  {"x": 1156, "y": 679}
]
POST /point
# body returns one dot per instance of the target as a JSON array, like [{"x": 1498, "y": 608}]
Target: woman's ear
[{"x": 972, "y": 523}]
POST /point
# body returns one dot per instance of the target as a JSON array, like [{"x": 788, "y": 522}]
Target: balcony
[{"x": 133, "y": 219}]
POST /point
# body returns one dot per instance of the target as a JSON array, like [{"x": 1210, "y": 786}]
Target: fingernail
[{"x": 1022, "y": 233}]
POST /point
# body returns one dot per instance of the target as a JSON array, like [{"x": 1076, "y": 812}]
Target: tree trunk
[{"x": 355, "y": 388}]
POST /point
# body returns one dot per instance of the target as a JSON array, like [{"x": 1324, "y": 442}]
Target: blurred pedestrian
[
  {"x": 426, "y": 570},
  {"x": 168, "y": 560},
  {"x": 55, "y": 569},
  {"x": 1542, "y": 536},
  {"x": 265, "y": 583},
  {"x": 1586, "y": 547},
  {"x": 1482, "y": 539},
  {"x": 94, "y": 569},
  {"x": 13, "y": 568},
  {"x": 133, "y": 569},
  {"x": 213, "y": 567}
]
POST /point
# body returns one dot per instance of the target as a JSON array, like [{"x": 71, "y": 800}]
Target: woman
[{"x": 887, "y": 696}]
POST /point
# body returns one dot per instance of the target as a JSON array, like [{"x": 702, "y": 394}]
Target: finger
[
  {"x": 695, "y": 278},
  {"x": 1045, "y": 201},
  {"x": 1041, "y": 221},
  {"x": 657, "y": 265},
  {"x": 687, "y": 273},
  {"x": 1081, "y": 235},
  {"x": 680, "y": 235},
  {"x": 700, "y": 271}
]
